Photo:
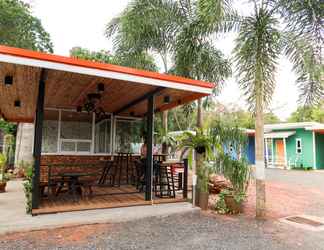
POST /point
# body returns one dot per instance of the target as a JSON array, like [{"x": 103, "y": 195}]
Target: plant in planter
[
  {"x": 238, "y": 173},
  {"x": 203, "y": 173},
  {"x": 3, "y": 177},
  {"x": 200, "y": 142}
]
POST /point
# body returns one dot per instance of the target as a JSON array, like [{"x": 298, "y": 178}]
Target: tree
[
  {"x": 140, "y": 60},
  {"x": 7, "y": 127},
  {"x": 232, "y": 114},
  {"x": 258, "y": 47},
  {"x": 308, "y": 114},
  {"x": 19, "y": 28},
  {"x": 145, "y": 26},
  {"x": 175, "y": 31}
]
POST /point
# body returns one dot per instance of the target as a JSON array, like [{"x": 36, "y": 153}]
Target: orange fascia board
[{"x": 100, "y": 66}]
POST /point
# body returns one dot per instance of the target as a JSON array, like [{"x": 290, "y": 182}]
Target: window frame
[{"x": 113, "y": 128}]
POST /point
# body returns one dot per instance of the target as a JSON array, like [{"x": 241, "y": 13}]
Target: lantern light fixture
[
  {"x": 100, "y": 87},
  {"x": 166, "y": 99},
  {"x": 17, "y": 104},
  {"x": 8, "y": 80}
]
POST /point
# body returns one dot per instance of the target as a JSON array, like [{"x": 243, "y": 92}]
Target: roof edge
[{"x": 101, "y": 66}]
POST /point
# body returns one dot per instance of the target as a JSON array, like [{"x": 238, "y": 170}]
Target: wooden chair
[{"x": 164, "y": 182}]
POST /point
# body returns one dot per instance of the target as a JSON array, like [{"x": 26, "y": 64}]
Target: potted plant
[
  {"x": 238, "y": 173},
  {"x": 203, "y": 180},
  {"x": 199, "y": 141},
  {"x": 3, "y": 179}
]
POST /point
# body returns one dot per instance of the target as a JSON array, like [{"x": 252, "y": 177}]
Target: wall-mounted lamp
[
  {"x": 8, "y": 80},
  {"x": 166, "y": 99},
  {"x": 17, "y": 103},
  {"x": 101, "y": 87}
]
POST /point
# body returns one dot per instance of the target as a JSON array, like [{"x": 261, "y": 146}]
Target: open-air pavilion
[{"x": 88, "y": 120}]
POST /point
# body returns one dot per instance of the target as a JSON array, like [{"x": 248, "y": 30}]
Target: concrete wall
[{"x": 24, "y": 143}]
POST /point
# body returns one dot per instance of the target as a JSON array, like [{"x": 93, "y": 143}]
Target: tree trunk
[
  {"x": 165, "y": 127},
  {"x": 199, "y": 114},
  {"x": 199, "y": 163},
  {"x": 259, "y": 158}
]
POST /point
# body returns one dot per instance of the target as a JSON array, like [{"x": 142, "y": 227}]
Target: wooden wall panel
[{"x": 24, "y": 88}]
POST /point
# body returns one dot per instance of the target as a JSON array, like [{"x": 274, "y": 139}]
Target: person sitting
[{"x": 144, "y": 149}]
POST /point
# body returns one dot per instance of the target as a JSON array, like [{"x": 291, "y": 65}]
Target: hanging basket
[{"x": 200, "y": 150}]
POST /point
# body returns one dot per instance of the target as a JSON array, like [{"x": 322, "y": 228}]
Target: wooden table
[{"x": 74, "y": 184}]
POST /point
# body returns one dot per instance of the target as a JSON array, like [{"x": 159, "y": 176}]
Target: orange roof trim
[{"x": 101, "y": 66}]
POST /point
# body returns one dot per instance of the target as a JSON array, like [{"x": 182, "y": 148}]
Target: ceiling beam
[{"x": 138, "y": 100}]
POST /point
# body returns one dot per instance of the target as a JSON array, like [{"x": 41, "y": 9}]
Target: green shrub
[
  {"x": 28, "y": 188},
  {"x": 3, "y": 161}
]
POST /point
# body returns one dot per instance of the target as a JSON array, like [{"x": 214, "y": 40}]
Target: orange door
[{"x": 280, "y": 152}]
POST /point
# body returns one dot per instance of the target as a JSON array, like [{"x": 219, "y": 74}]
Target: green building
[{"x": 289, "y": 145}]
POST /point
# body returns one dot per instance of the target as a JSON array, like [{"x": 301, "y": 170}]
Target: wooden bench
[{"x": 53, "y": 178}]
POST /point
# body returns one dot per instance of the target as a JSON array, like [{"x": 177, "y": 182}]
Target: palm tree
[
  {"x": 141, "y": 60},
  {"x": 256, "y": 54},
  {"x": 146, "y": 25},
  {"x": 175, "y": 31},
  {"x": 259, "y": 44}
]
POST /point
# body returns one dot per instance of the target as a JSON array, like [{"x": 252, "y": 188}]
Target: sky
[{"x": 82, "y": 22}]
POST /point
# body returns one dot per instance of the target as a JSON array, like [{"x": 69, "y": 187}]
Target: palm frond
[
  {"x": 218, "y": 16},
  {"x": 256, "y": 55},
  {"x": 309, "y": 71}
]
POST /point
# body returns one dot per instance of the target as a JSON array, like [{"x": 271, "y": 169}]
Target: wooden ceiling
[{"x": 68, "y": 90}]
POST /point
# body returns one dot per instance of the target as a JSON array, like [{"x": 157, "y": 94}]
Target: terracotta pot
[
  {"x": 203, "y": 200},
  {"x": 233, "y": 205},
  {"x": 3, "y": 187}
]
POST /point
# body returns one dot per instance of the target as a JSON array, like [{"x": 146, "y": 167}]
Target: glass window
[
  {"x": 68, "y": 146},
  {"x": 128, "y": 136},
  {"x": 76, "y": 131},
  {"x": 50, "y": 131},
  {"x": 102, "y": 136},
  {"x": 76, "y": 126}
]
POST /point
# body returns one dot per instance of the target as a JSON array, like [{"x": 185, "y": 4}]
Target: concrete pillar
[{"x": 24, "y": 143}]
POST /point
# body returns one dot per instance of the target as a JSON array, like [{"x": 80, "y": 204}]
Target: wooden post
[
  {"x": 185, "y": 179},
  {"x": 149, "y": 155},
  {"x": 285, "y": 153},
  {"x": 38, "y": 140}
]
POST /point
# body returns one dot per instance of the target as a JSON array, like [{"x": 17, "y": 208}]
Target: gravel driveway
[{"x": 187, "y": 231}]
